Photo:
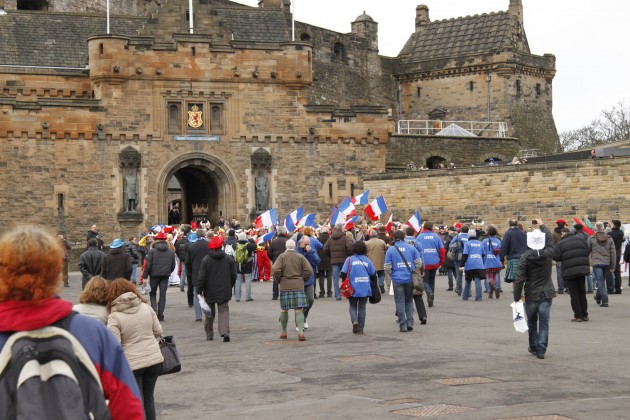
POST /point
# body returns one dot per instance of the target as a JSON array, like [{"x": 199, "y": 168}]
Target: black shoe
[
  {"x": 560, "y": 292},
  {"x": 450, "y": 289},
  {"x": 322, "y": 294},
  {"x": 617, "y": 292},
  {"x": 604, "y": 305},
  {"x": 190, "y": 305},
  {"x": 355, "y": 328},
  {"x": 423, "y": 321},
  {"x": 338, "y": 298},
  {"x": 382, "y": 288},
  {"x": 540, "y": 355},
  {"x": 209, "y": 337},
  {"x": 66, "y": 285},
  {"x": 198, "y": 320},
  {"x": 226, "y": 338},
  {"x": 250, "y": 300},
  {"x": 403, "y": 329},
  {"x": 329, "y": 294},
  {"x": 585, "y": 319},
  {"x": 314, "y": 296},
  {"x": 431, "y": 301},
  {"x": 274, "y": 298},
  {"x": 409, "y": 328}
]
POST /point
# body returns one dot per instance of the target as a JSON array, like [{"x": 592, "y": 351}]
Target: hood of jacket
[
  {"x": 25, "y": 315},
  {"x": 161, "y": 246},
  {"x": 336, "y": 234},
  {"x": 217, "y": 255},
  {"x": 127, "y": 302},
  {"x": 536, "y": 257}
]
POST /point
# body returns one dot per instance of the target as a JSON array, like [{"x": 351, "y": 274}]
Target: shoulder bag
[
  {"x": 171, "y": 363},
  {"x": 346, "y": 287},
  {"x": 418, "y": 282}
]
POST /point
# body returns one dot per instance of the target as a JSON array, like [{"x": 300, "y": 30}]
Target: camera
[{"x": 534, "y": 222}]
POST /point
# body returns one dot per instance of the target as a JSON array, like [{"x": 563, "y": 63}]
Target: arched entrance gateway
[{"x": 202, "y": 185}]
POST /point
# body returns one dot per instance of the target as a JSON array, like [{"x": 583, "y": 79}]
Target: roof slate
[
  {"x": 461, "y": 36},
  {"x": 54, "y": 39},
  {"x": 256, "y": 25}
]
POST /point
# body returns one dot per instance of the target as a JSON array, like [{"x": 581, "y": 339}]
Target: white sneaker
[{"x": 306, "y": 325}]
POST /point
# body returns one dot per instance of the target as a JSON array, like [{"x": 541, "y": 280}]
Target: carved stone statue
[
  {"x": 130, "y": 191},
  {"x": 262, "y": 190}
]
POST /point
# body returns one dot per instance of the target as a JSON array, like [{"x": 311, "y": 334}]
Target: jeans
[
  {"x": 458, "y": 279},
  {"x": 538, "y": 314},
  {"x": 146, "y": 379},
  {"x": 498, "y": 280},
  {"x": 325, "y": 275},
  {"x": 336, "y": 270},
  {"x": 182, "y": 278},
  {"x": 451, "y": 272},
  {"x": 134, "y": 269},
  {"x": 589, "y": 283},
  {"x": 466, "y": 293},
  {"x": 561, "y": 285},
  {"x": 248, "y": 286},
  {"x": 309, "y": 291},
  {"x": 357, "y": 311},
  {"x": 163, "y": 284},
  {"x": 196, "y": 303},
  {"x": 578, "y": 296},
  {"x": 403, "y": 297},
  {"x": 600, "y": 280},
  {"x": 429, "y": 282},
  {"x": 381, "y": 277}
]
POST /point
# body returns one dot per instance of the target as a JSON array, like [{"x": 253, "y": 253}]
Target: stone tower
[{"x": 365, "y": 27}]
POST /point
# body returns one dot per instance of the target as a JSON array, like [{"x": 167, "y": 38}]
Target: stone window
[
  {"x": 216, "y": 118},
  {"x": 471, "y": 86},
  {"x": 339, "y": 51},
  {"x": 351, "y": 190},
  {"x": 330, "y": 190},
  {"x": 305, "y": 37},
  {"x": 518, "y": 86},
  {"x": 538, "y": 89},
  {"x": 174, "y": 117},
  {"x": 41, "y": 5},
  {"x": 418, "y": 91}
]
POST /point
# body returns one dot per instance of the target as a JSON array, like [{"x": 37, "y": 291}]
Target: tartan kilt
[
  {"x": 293, "y": 299},
  {"x": 511, "y": 269}
]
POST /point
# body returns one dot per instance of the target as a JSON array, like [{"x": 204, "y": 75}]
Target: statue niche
[
  {"x": 130, "y": 161},
  {"x": 261, "y": 167}
]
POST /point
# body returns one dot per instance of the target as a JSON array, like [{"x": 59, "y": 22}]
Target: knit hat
[
  {"x": 242, "y": 236},
  {"x": 216, "y": 242}
]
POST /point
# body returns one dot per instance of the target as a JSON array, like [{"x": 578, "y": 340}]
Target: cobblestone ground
[{"x": 466, "y": 363}]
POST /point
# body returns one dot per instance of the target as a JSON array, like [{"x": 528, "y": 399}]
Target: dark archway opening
[
  {"x": 436, "y": 162},
  {"x": 192, "y": 191},
  {"x": 32, "y": 5}
]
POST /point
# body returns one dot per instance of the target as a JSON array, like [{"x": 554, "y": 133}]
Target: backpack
[
  {"x": 241, "y": 255},
  {"x": 46, "y": 373},
  {"x": 454, "y": 249}
]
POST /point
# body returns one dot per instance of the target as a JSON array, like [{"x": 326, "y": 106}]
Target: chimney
[
  {"x": 516, "y": 10},
  {"x": 271, "y": 4},
  {"x": 422, "y": 17}
]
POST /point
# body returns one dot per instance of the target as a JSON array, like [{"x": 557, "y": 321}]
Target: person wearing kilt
[
  {"x": 292, "y": 270},
  {"x": 513, "y": 245}
]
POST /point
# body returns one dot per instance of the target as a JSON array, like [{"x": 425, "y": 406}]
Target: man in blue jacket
[
  {"x": 400, "y": 260},
  {"x": 433, "y": 254}
]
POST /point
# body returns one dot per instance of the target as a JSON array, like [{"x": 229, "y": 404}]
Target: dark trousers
[
  {"x": 309, "y": 291},
  {"x": 158, "y": 307},
  {"x": 420, "y": 309},
  {"x": 429, "y": 281},
  {"x": 577, "y": 290},
  {"x": 64, "y": 272},
  {"x": 325, "y": 275},
  {"x": 276, "y": 290},
  {"x": 146, "y": 379},
  {"x": 191, "y": 290}
]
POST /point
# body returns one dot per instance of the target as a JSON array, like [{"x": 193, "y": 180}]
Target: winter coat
[
  {"x": 277, "y": 247},
  {"x": 313, "y": 260},
  {"x": 324, "y": 263},
  {"x": 338, "y": 247},
  {"x": 513, "y": 244},
  {"x": 194, "y": 257},
  {"x": 216, "y": 277},
  {"x": 116, "y": 264},
  {"x": 119, "y": 386},
  {"x": 160, "y": 261},
  {"x": 248, "y": 266},
  {"x": 572, "y": 251},
  {"x": 291, "y": 270},
  {"x": 97, "y": 236},
  {"x": 534, "y": 272},
  {"x": 602, "y": 250},
  {"x": 132, "y": 250},
  {"x": 135, "y": 326},
  {"x": 181, "y": 248},
  {"x": 91, "y": 263},
  {"x": 93, "y": 310},
  {"x": 376, "y": 249},
  {"x": 617, "y": 236}
]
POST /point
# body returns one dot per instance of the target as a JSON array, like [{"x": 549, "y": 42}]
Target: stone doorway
[{"x": 202, "y": 187}]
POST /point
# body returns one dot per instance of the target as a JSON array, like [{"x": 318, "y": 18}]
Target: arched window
[
  {"x": 215, "y": 118},
  {"x": 174, "y": 118},
  {"x": 339, "y": 51},
  {"x": 305, "y": 37},
  {"x": 32, "y": 5}
]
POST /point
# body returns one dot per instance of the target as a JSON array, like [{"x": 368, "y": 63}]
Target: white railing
[{"x": 432, "y": 127}]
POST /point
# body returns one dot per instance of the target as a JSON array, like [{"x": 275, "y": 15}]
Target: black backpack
[{"x": 46, "y": 373}]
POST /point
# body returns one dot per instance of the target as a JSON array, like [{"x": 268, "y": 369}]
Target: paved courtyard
[{"x": 468, "y": 362}]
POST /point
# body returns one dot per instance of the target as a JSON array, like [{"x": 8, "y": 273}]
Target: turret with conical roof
[{"x": 365, "y": 27}]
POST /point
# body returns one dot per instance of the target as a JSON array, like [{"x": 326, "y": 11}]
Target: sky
[{"x": 589, "y": 40}]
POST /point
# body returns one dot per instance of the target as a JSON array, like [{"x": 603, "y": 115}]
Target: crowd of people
[{"x": 120, "y": 329}]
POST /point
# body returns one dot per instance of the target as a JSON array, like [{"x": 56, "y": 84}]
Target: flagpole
[
  {"x": 293, "y": 21},
  {"x": 190, "y": 14},
  {"x": 107, "y": 17}
]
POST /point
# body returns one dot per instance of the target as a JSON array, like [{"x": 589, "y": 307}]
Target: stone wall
[
  {"x": 122, "y": 7},
  {"x": 494, "y": 194}
]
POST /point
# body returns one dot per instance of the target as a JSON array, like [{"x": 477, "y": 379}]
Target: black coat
[
  {"x": 277, "y": 247},
  {"x": 181, "y": 248},
  {"x": 324, "y": 263},
  {"x": 196, "y": 253},
  {"x": 132, "y": 250},
  {"x": 572, "y": 251},
  {"x": 116, "y": 264},
  {"x": 534, "y": 271},
  {"x": 217, "y": 276},
  {"x": 91, "y": 262},
  {"x": 160, "y": 261}
]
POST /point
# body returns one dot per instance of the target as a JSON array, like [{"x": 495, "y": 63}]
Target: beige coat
[
  {"x": 93, "y": 310},
  {"x": 136, "y": 327},
  {"x": 376, "y": 249}
]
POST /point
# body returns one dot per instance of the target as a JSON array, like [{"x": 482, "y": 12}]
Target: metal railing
[{"x": 432, "y": 127}]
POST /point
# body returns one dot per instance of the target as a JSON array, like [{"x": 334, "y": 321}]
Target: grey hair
[
  {"x": 290, "y": 244},
  {"x": 281, "y": 230}
]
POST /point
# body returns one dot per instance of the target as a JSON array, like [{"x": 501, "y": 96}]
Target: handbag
[
  {"x": 346, "y": 287},
  {"x": 376, "y": 291},
  {"x": 416, "y": 278},
  {"x": 171, "y": 363}
]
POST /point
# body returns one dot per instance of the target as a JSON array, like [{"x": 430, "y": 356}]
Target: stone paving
[{"x": 466, "y": 363}]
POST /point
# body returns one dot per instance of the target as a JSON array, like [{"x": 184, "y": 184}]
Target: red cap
[
  {"x": 160, "y": 236},
  {"x": 458, "y": 226},
  {"x": 216, "y": 242},
  {"x": 561, "y": 222}
]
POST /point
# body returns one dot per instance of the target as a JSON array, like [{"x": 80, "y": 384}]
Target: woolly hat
[
  {"x": 242, "y": 236},
  {"x": 216, "y": 242}
]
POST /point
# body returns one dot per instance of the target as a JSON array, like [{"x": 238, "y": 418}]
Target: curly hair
[
  {"x": 96, "y": 291},
  {"x": 119, "y": 287},
  {"x": 30, "y": 264}
]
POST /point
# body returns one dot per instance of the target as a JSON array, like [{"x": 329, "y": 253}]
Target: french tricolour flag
[
  {"x": 388, "y": 226},
  {"x": 376, "y": 208},
  {"x": 266, "y": 237},
  {"x": 346, "y": 206},
  {"x": 361, "y": 199},
  {"x": 350, "y": 223},
  {"x": 292, "y": 219},
  {"x": 308, "y": 220},
  {"x": 415, "y": 222},
  {"x": 337, "y": 217},
  {"x": 267, "y": 219}
]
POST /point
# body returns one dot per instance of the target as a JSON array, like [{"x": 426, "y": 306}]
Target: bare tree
[{"x": 611, "y": 127}]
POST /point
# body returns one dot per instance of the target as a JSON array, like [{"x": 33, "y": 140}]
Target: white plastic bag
[
  {"x": 204, "y": 306},
  {"x": 145, "y": 288},
  {"x": 518, "y": 316}
]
